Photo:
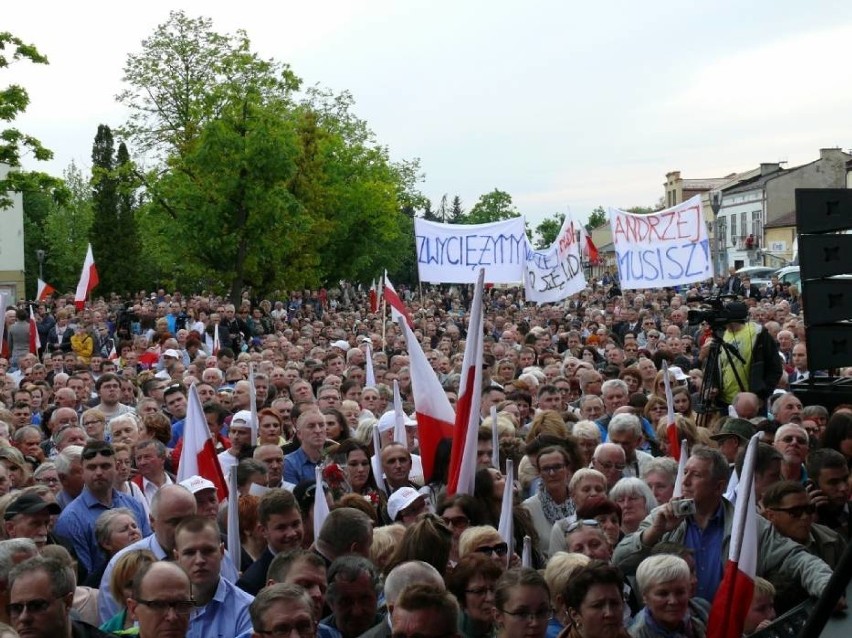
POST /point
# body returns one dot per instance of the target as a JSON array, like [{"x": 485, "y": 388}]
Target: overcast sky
[{"x": 563, "y": 104}]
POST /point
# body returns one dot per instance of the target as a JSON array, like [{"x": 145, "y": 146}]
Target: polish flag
[
  {"x": 435, "y": 414},
  {"x": 588, "y": 246},
  {"x": 88, "y": 280},
  {"x": 398, "y": 308},
  {"x": 255, "y": 421},
  {"x": 233, "y": 530},
  {"x": 374, "y": 297},
  {"x": 733, "y": 598},
  {"x": 321, "y": 511},
  {"x": 376, "y": 461},
  {"x": 35, "y": 340},
  {"x": 370, "y": 380},
  {"x": 463, "y": 457},
  {"x": 399, "y": 417},
  {"x": 671, "y": 429},
  {"x": 495, "y": 439},
  {"x": 44, "y": 290},
  {"x": 681, "y": 470},
  {"x": 506, "y": 525},
  {"x": 216, "y": 343},
  {"x": 198, "y": 456}
]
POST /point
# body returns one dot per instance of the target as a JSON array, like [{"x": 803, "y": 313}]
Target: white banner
[
  {"x": 454, "y": 253},
  {"x": 669, "y": 248},
  {"x": 553, "y": 274}
]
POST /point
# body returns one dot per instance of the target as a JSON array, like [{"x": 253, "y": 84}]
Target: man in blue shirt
[
  {"x": 77, "y": 521},
  {"x": 222, "y": 609},
  {"x": 310, "y": 428}
]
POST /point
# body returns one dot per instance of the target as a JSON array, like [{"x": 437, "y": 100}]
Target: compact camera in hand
[{"x": 682, "y": 507}]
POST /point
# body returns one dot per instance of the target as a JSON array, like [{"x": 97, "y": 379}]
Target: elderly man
[
  {"x": 345, "y": 531},
  {"x": 615, "y": 394},
  {"x": 610, "y": 460},
  {"x": 398, "y": 580},
  {"x": 353, "y": 595},
  {"x": 708, "y": 533},
  {"x": 150, "y": 458},
  {"x": 161, "y": 601},
  {"x": 41, "y": 593},
  {"x": 169, "y": 505},
  {"x": 273, "y": 457},
  {"x": 77, "y": 521},
  {"x": 310, "y": 428},
  {"x": 221, "y": 608},
  {"x": 787, "y": 409},
  {"x": 69, "y": 467},
  {"x": 792, "y": 441},
  {"x": 396, "y": 466},
  {"x": 425, "y": 610},
  {"x": 733, "y": 437},
  {"x": 625, "y": 430},
  {"x": 281, "y": 609},
  {"x": 28, "y": 516}
]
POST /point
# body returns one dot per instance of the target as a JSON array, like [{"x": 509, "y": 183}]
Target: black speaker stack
[{"x": 823, "y": 223}]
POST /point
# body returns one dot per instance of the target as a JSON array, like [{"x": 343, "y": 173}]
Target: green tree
[
  {"x": 37, "y": 206},
  {"x": 105, "y": 204},
  {"x": 443, "y": 213},
  {"x": 492, "y": 207},
  {"x": 66, "y": 229},
  {"x": 457, "y": 215},
  {"x": 131, "y": 274},
  {"x": 548, "y": 229},
  {"x": 598, "y": 217},
  {"x": 14, "y": 144},
  {"x": 428, "y": 214}
]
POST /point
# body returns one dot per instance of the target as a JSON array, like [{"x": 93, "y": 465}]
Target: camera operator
[{"x": 760, "y": 368}]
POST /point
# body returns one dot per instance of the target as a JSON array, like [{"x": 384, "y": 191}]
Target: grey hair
[
  {"x": 662, "y": 568},
  {"x": 720, "y": 470},
  {"x": 349, "y": 568},
  {"x": 68, "y": 456},
  {"x": 105, "y": 521},
  {"x": 586, "y": 430},
  {"x": 632, "y": 486},
  {"x": 622, "y": 423},
  {"x": 62, "y": 578},
  {"x": 12, "y": 547},
  {"x": 661, "y": 464},
  {"x": 409, "y": 573},
  {"x": 614, "y": 383},
  {"x": 272, "y": 594}
]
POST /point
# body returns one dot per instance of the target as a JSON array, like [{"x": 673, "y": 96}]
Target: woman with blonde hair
[
  {"x": 547, "y": 422},
  {"x": 560, "y": 568},
  {"x": 119, "y": 586}
]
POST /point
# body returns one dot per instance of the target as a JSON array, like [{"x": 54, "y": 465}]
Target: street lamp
[
  {"x": 40, "y": 257},
  {"x": 716, "y": 205}
]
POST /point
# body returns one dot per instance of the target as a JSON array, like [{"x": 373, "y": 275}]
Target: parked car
[
  {"x": 789, "y": 274},
  {"x": 759, "y": 275}
]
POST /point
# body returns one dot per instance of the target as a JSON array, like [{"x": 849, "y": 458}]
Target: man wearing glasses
[
  {"x": 792, "y": 441},
  {"x": 161, "y": 601},
  {"x": 77, "y": 521},
  {"x": 41, "y": 592}
]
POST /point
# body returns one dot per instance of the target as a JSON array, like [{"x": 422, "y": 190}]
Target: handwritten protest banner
[
  {"x": 669, "y": 248},
  {"x": 454, "y": 253},
  {"x": 553, "y": 274}
]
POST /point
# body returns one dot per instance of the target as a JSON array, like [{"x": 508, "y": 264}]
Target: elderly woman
[
  {"x": 636, "y": 501},
  {"x": 560, "y": 569},
  {"x": 553, "y": 501},
  {"x": 664, "y": 584},
  {"x": 522, "y": 600},
  {"x": 659, "y": 474},
  {"x": 484, "y": 539},
  {"x": 594, "y": 601},
  {"x": 588, "y": 436},
  {"x": 46, "y": 474},
  {"x": 124, "y": 429},
  {"x": 472, "y": 582},
  {"x": 587, "y": 487},
  {"x": 115, "y": 529}
]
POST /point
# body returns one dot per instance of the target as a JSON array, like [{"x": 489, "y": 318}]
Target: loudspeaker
[
  {"x": 825, "y": 263},
  {"x": 826, "y": 391}
]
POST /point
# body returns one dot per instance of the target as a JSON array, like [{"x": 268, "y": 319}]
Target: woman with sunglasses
[
  {"x": 486, "y": 540},
  {"x": 459, "y": 512},
  {"x": 522, "y": 601},
  {"x": 472, "y": 582}
]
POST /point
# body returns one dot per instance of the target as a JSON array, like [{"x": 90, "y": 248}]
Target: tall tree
[
  {"x": 428, "y": 214},
  {"x": 14, "y": 144},
  {"x": 548, "y": 229},
  {"x": 457, "y": 215},
  {"x": 492, "y": 207},
  {"x": 37, "y": 205},
  {"x": 598, "y": 217},
  {"x": 105, "y": 228},
  {"x": 443, "y": 212}
]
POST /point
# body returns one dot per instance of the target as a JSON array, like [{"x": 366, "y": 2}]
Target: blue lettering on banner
[
  {"x": 471, "y": 251},
  {"x": 560, "y": 273},
  {"x": 675, "y": 262}
]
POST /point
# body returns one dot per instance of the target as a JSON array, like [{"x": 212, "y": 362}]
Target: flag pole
[{"x": 384, "y": 322}]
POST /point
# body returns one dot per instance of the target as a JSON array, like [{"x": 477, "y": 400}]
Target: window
[
  {"x": 743, "y": 226},
  {"x": 757, "y": 227}
]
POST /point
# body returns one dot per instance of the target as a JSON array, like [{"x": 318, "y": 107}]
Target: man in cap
[
  {"x": 733, "y": 437},
  {"x": 28, "y": 516},
  {"x": 405, "y": 505},
  {"x": 239, "y": 433}
]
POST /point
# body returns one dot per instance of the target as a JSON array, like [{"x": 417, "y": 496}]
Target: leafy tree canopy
[
  {"x": 598, "y": 217},
  {"x": 492, "y": 207},
  {"x": 548, "y": 229}
]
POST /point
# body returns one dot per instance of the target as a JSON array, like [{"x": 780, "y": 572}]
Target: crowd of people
[{"x": 100, "y": 537}]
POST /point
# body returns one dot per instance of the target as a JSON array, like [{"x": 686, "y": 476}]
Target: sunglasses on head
[
  {"x": 589, "y": 522},
  {"x": 91, "y": 452}
]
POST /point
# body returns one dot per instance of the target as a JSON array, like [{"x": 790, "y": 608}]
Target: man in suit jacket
[
  {"x": 733, "y": 284},
  {"x": 749, "y": 290}
]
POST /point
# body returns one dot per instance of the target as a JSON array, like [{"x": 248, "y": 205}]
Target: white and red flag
[
  {"x": 671, "y": 429},
  {"x": 88, "y": 280},
  {"x": 370, "y": 380},
  {"x": 374, "y": 297},
  {"x": 198, "y": 456},
  {"x": 463, "y": 456},
  {"x": 398, "y": 308},
  {"x": 35, "y": 340},
  {"x": 216, "y": 343},
  {"x": 505, "y": 526},
  {"x": 321, "y": 510},
  {"x": 435, "y": 414},
  {"x": 733, "y": 598},
  {"x": 588, "y": 246},
  {"x": 681, "y": 470},
  {"x": 44, "y": 290}
]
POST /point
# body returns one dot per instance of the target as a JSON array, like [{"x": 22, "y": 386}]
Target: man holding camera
[{"x": 707, "y": 531}]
